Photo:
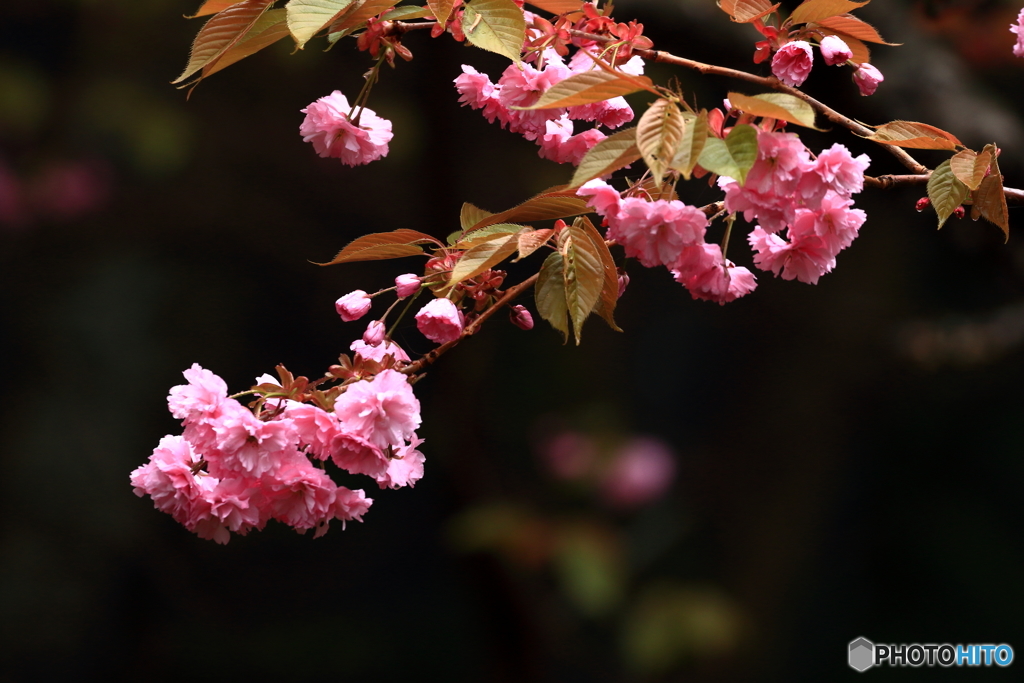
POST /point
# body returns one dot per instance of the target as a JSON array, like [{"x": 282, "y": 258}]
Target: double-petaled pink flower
[{"x": 327, "y": 125}]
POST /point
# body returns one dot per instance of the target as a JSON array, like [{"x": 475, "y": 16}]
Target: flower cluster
[
  {"x": 334, "y": 133},
  {"x": 552, "y": 129},
  {"x": 1018, "y": 29},
  {"x": 793, "y": 61},
  {"x": 669, "y": 233},
  {"x": 234, "y": 469},
  {"x": 810, "y": 198}
]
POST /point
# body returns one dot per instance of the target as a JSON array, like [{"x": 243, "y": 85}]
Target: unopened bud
[
  {"x": 923, "y": 203},
  {"x": 521, "y": 317},
  {"x": 958, "y": 212},
  {"x": 406, "y": 285},
  {"x": 374, "y": 334},
  {"x": 353, "y": 305},
  {"x": 623, "y": 282}
]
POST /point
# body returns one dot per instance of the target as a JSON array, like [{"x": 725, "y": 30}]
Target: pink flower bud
[
  {"x": 867, "y": 79},
  {"x": 440, "y": 321},
  {"x": 521, "y": 317},
  {"x": 353, "y": 305},
  {"x": 793, "y": 62},
  {"x": 374, "y": 334},
  {"x": 406, "y": 285},
  {"x": 959, "y": 212},
  {"x": 623, "y": 282},
  {"x": 835, "y": 51}
]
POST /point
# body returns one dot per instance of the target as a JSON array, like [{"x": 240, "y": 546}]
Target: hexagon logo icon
[{"x": 862, "y": 654}]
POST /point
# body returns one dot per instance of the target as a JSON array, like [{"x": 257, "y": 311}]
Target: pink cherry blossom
[
  {"x": 805, "y": 259},
  {"x": 377, "y": 353},
  {"x": 1018, "y": 28},
  {"x": 203, "y": 394},
  {"x": 793, "y": 62},
  {"x": 349, "y": 505},
  {"x": 559, "y": 144},
  {"x": 374, "y": 333},
  {"x": 440, "y": 321},
  {"x": 835, "y": 51},
  {"x": 604, "y": 198},
  {"x": 353, "y": 305},
  {"x": 384, "y": 411},
  {"x": 353, "y": 452},
  {"x": 328, "y": 127},
  {"x": 168, "y": 478},
  {"x": 656, "y": 232},
  {"x": 523, "y": 86},
  {"x": 300, "y": 495},
  {"x": 867, "y": 79},
  {"x": 405, "y": 467},
  {"x": 407, "y": 285},
  {"x": 709, "y": 277},
  {"x": 245, "y": 444},
  {"x": 837, "y": 170},
  {"x": 640, "y": 472},
  {"x": 315, "y": 428}
]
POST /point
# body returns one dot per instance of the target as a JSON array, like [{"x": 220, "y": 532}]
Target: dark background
[{"x": 848, "y": 454}]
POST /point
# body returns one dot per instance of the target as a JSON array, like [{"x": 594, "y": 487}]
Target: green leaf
[
  {"x": 441, "y": 10},
  {"x": 549, "y": 293},
  {"x": 557, "y": 6},
  {"x": 475, "y": 237},
  {"x": 733, "y": 156},
  {"x": 990, "y": 199},
  {"x": 695, "y": 135},
  {"x": 268, "y": 29},
  {"x": 307, "y": 17},
  {"x": 584, "y": 276},
  {"x": 222, "y": 32},
  {"x": 212, "y": 7},
  {"x": 914, "y": 135},
  {"x": 382, "y": 245},
  {"x": 776, "y": 105},
  {"x": 816, "y": 10},
  {"x": 851, "y": 26},
  {"x": 553, "y": 203},
  {"x": 407, "y": 12},
  {"x": 495, "y": 26},
  {"x": 611, "y": 154},
  {"x": 658, "y": 135},
  {"x": 946, "y": 191},
  {"x": 472, "y": 215},
  {"x": 970, "y": 167},
  {"x": 590, "y": 86},
  {"x": 610, "y": 289},
  {"x": 482, "y": 257},
  {"x": 588, "y": 561},
  {"x": 530, "y": 241}
]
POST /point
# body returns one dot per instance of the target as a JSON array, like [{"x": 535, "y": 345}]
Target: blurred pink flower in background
[{"x": 640, "y": 472}]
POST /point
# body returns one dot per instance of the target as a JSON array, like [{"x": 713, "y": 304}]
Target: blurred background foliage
[{"x": 718, "y": 494}]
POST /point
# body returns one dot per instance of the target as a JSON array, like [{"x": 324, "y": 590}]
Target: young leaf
[
  {"x": 775, "y": 106},
  {"x": 472, "y": 215},
  {"x": 553, "y": 203},
  {"x": 382, "y": 245},
  {"x": 549, "y": 293},
  {"x": 307, "y": 17},
  {"x": 268, "y": 29},
  {"x": 589, "y": 86},
  {"x": 357, "y": 13},
  {"x": 990, "y": 200},
  {"x": 482, "y": 257},
  {"x": 850, "y": 25},
  {"x": 658, "y": 135},
  {"x": 407, "y": 12},
  {"x": 946, "y": 191},
  {"x": 746, "y": 11},
  {"x": 221, "y": 32},
  {"x": 212, "y": 7},
  {"x": 610, "y": 290},
  {"x": 495, "y": 26},
  {"x": 441, "y": 9},
  {"x": 557, "y": 6},
  {"x": 611, "y": 154},
  {"x": 531, "y": 240},
  {"x": 733, "y": 156},
  {"x": 914, "y": 135},
  {"x": 695, "y": 134},
  {"x": 970, "y": 167},
  {"x": 475, "y": 237},
  {"x": 816, "y": 10},
  {"x": 584, "y": 276}
]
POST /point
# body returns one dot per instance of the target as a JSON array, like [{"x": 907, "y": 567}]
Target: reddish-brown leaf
[
  {"x": 610, "y": 291},
  {"x": 383, "y": 245},
  {"x": 590, "y": 86},
  {"x": 482, "y": 257},
  {"x": 914, "y": 135},
  {"x": 970, "y": 167},
  {"x": 850, "y": 25},
  {"x": 267, "y": 30},
  {"x": 212, "y": 7},
  {"x": 532, "y": 240},
  {"x": 817, "y": 10},
  {"x": 441, "y": 9},
  {"x": 557, "y": 6},
  {"x": 556, "y": 202},
  {"x": 746, "y": 11},
  {"x": 221, "y": 32},
  {"x": 990, "y": 200},
  {"x": 358, "y": 13}
]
